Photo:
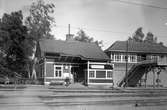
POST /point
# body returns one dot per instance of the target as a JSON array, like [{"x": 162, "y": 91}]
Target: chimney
[{"x": 69, "y": 37}]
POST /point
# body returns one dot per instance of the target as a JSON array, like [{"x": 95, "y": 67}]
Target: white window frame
[
  {"x": 112, "y": 57},
  {"x": 154, "y": 57},
  {"x": 118, "y": 57},
  {"x": 123, "y": 57},
  {"x": 109, "y": 77},
  {"x": 132, "y": 58},
  {"x": 100, "y": 70},
  {"x": 94, "y": 74},
  {"x": 58, "y": 71}
]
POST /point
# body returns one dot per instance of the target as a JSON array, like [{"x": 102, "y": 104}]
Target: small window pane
[
  {"x": 100, "y": 74},
  {"x": 109, "y": 74},
  {"x": 124, "y": 57},
  {"x": 132, "y": 58},
  {"x": 58, "y": 68},
  {"x": 56, "y": 73},
  {"x": 118, "y": 57},
  {"x": 59, "y": 73},
  {"x": 91, "y": 74}
]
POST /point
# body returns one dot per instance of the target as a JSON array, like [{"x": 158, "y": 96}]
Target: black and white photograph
[{"x": 83, "y": 54}]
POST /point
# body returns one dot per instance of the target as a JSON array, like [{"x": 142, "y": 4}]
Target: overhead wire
[
  {"x": 111, "y": 31},
  {"x": 141, "y": 4},
  {"x": 102, "y": 30},
  {"x": 92, "y": 29}
]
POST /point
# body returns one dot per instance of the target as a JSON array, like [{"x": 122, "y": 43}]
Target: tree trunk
[{"x": 34, "y": 75}]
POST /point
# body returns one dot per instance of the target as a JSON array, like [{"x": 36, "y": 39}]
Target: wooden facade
[
  {"x": 99, "y": 73},
  {"x": 55, "y": 67}
]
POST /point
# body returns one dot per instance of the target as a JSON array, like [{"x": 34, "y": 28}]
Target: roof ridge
[
  {"x": 137, "y": 47},
  {"x": 86, "y": 50}
]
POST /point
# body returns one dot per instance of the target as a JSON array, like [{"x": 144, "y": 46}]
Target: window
[
  {"x": 91, "y": 74},
  {"x": 112, "y": 57},
  {"x": 57, "y": 71},
  {"x": 109, "y": 74},
  {"x": 117, "y": 57},
  {"x": 132, "y": 58},
  {"x": 100, "y": 74},
  {"x": 153, "y": 57},
  {"x": 124, "y": 57}
]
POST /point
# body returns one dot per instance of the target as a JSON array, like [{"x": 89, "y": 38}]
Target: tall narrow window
[
  {"x": 58, "y": 71},
  {"x": 112, "y": 57},
  {"x": 123, "y": 57}
]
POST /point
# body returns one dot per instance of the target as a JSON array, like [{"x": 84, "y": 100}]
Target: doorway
[{"x": 78, "y": 73}]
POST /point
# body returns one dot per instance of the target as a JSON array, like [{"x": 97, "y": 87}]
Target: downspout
[
  {"x": 88, "y": 72},
  {"x": 153, "y": 78},
  {"x": 44, "y": 70}
]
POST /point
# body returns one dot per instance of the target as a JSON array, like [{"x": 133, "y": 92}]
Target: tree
[
  {"x": 39, "y": 26},
  {"x": 12, "y": 36},
  {"x": 39, "y": 20},
  {"x": 150, "y": 38},
  {"x": 83, "y": 37},
  {"x": 138, "y": 35}
]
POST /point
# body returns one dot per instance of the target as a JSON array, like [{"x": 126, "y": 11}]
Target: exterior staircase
[{"x": 136, "y": 72}]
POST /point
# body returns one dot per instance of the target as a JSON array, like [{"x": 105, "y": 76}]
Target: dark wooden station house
[{"x": 80, "y": 62}]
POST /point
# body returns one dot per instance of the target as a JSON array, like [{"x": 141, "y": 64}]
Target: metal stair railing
[{"x": 133, "y": 69}]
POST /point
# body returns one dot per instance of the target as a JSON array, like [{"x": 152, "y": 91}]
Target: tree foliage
[
  {"x": 83, "y": 37},
  {"x": 150, "y": 38},
  {"x": 39, "y": 27},
  {"x": 12, "y": 37},
  {"x": 139, "y": 36},
  {"x": 39, "y": 21}
]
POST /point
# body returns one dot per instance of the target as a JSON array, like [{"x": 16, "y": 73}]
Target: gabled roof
[
  {"x": 73, "y": 48},
  {"x": 137, "y": 47}
]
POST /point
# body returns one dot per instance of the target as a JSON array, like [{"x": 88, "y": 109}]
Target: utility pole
[
  {"x": 153, "y": 78},
  {"x": 126, "y": 64},
  {"x": 145, "y": 80}
]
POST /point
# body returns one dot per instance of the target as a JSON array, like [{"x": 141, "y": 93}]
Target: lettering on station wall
[{"x": 107, "y": 66}]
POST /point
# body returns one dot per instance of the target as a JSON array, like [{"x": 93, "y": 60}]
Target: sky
[{"x": 107, "y": 20}]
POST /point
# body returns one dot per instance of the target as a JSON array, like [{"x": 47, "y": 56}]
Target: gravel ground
[{"x": 43, "y": 98}]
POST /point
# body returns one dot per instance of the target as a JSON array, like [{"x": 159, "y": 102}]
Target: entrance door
[
  {"x": 74, "y": 71},
  {"x": 78, "y": 73}
]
